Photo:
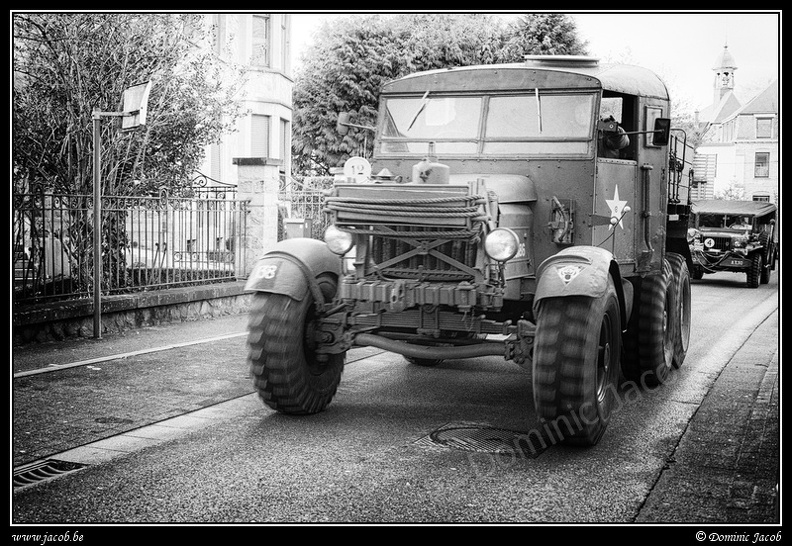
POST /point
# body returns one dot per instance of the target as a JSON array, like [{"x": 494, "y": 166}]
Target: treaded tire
[
  {"x": 681, "y": 317},
  {"x": 576, "y": 365},
  {"x": 769, "y": 260},
  {"x": 698, "y": 272},
  {"x": 423, "y": 362},
  {"x": 649, "y": 345},
  {"x": 755, "y": 271},
  {"x": 286, "y": 372}
]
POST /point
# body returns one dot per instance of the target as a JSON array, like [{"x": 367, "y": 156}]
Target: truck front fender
[
  {"x": 291, "y": 268},
  {"x": 582, "y": 271}
]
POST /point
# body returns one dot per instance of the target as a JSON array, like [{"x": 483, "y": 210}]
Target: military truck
[
  {"x": 734, "y": 236},
  {"x": 536, "y": 211}
]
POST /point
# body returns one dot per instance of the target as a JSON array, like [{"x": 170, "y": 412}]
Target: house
[
  {"x": 739, "y": 153},
  {"x": 261, "y": 43}
]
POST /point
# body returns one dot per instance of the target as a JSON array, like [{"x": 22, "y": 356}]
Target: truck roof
[
  {"x": 565, "y": 70},
  {"x": 723, "y": 206}
]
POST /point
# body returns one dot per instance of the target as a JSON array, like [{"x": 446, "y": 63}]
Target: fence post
[
  {"x": 258, "y": 180},
  {"x": 97, "y": 226}
]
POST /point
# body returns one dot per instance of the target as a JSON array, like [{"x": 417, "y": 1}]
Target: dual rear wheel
[{"x": 580, "y": 353}]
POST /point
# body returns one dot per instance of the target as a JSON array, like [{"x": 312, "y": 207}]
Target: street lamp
[{"x": 133, "y": 116}]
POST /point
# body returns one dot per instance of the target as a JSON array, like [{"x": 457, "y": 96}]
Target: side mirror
[
  {"x": 662, "y": 130},
  {"x": 342, "y": 125}
]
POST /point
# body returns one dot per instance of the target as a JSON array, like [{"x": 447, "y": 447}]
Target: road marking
[{"x": 57, "y": 367}]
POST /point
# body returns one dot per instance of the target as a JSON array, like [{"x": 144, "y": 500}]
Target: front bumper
[{"x": 722, "y": 261}]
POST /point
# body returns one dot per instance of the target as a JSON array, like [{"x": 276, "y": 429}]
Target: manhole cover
[
  {"x": 487, "y": 439},
  {"x": 41, "y": 471}
]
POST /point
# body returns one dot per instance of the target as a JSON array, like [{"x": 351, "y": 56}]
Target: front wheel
[
  {"x": 289, "y": 375},
  {"x": 576, "y": 364},
  {"x": 755, "y": 271}
]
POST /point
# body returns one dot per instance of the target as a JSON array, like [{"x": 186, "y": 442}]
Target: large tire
[
  {"x": 286, "y": 371},
  {"x": 423, "y": 362},
  {"x": 576, "y": 365},
  {"x": 769, "y": 260},
  {"x": 755, "y": 271},
  {"x": 681, "y": 314},
  {"x": 698, "y": 272},
  {"x": 649, "y": 345}
]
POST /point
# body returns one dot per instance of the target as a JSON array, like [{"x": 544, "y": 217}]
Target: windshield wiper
[{"x": 424, "y": 102}]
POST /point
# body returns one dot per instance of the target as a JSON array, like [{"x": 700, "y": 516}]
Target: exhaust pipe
[{"x": 487, "y": 348}]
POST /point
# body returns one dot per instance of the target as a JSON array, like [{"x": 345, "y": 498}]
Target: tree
[
  {"x": 732, "y": 192},
  {"x": 351, "y": 60},
  {"x": 68, "y": 64},
  {"x": 542, "y": 34}
]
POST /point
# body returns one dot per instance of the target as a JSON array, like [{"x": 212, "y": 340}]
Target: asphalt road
[{"x": 375, "y": 456}]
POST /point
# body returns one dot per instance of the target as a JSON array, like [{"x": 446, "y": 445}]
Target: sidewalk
[{"x": 727, "y": 464}]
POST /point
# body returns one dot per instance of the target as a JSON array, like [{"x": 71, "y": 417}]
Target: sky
[{"x": 681, "y": 47}]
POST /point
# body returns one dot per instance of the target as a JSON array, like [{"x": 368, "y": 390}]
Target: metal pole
[{"x": 97, "y": 227}]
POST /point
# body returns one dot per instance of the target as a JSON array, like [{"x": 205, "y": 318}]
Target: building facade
[
  {"x": 739, "y": 154},
  {"x": 261, "y": 43}
]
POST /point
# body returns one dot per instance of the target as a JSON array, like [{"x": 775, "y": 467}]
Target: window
[
  {"x": 261, "y": 37},
  {"x": 762, "y": 165},
  {"x": 285, "y": 45},
  {"x": 285, "y": 142},
  {"x": 761, "y": 197},
  {"x": 764, "y": 127},
  {"x": 260, "y": 136}
]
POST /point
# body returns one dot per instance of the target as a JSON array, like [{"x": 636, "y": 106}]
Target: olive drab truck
[{"x": 535, "y": 211}]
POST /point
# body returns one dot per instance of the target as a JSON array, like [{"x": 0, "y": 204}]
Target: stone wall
[{"x": 74, "y": 319}]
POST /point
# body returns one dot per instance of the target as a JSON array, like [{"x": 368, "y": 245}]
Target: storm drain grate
[
  {"x": 43, "y": 470},
  {"x": 488, "y": 439}
]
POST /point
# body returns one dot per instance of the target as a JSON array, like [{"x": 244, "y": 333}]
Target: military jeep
[
  {"x": 735, "y": 236},
  {"x": 534, "y": 211}
]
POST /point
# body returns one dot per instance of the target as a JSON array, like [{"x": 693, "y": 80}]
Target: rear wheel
[
  {"x": 424, "y": 362},
  {"x": 576, "y": 364},
  {"x": 289, "y": 375},
  {"x": 681, "y": 312},
  {"x": 649, "y": 347},
  {"x": 755, "y": 271}
]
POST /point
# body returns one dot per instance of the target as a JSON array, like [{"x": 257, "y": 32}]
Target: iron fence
[
  {"x": 302, "y": 201},
  {"x": 149, "y": 242}
]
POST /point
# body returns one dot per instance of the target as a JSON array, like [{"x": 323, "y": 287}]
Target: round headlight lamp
[
  {"x": 501, "y": 244},
  {"x": 339, "y": 242}
]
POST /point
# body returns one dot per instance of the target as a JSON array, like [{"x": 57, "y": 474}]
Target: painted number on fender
[{"x": 266, "y": 271}]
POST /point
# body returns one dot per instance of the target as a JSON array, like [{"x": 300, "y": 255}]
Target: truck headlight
[
  {"x": 501, "y": 244},
  {"x": 692, "y": 234},
  {"x": 339, "y": 242},
  {"x": 740, "y": 242}
]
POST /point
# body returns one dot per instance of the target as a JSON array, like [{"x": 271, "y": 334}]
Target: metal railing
[
  {"x": 303, "y": 199},
  {"x": 150, "y": 242}
]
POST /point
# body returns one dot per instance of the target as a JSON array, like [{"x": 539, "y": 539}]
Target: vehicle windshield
[
  {"x": 725, "y": 221},
  {"x": 538, "y": 122}
]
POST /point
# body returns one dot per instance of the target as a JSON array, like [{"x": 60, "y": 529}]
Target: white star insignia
[{"x": 616, "y": 207}]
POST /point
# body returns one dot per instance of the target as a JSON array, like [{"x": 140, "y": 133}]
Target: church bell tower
[{"x": 724, "y": 74}]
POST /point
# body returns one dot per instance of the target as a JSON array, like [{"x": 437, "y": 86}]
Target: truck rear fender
[
  {"x": 582, "y": 271},
  {"x": 292, "y": 267}
]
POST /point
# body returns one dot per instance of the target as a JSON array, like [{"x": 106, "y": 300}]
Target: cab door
[{"x": 613, "y": 219}]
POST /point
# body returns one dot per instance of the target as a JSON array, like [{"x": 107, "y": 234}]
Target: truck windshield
[
  {"x": 532, "y": 123},
  {"x": 731, "y": 221}
]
